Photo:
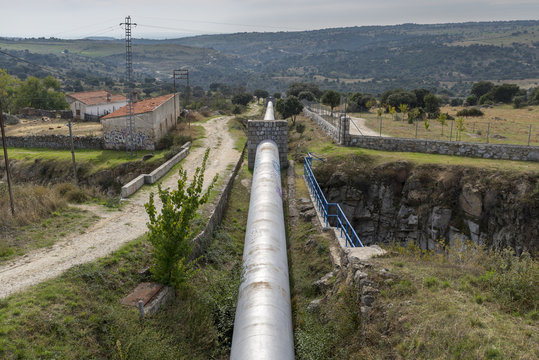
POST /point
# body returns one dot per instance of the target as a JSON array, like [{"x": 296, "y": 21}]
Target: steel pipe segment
[
  {"x": 269, "y": 112},
  {"x": 263, "y": 323}
]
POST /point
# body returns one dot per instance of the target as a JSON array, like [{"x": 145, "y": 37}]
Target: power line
[{"x": 31, "y": 63}]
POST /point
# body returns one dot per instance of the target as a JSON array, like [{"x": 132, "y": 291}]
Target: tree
[
  {"x": 171, "y": 230},
  {"x": 331, "y": 98},
  {"x": 306, "y": 95},
  {"x": 289, "y": 107},
  {"x": 392, "y": 111},
  {"x": 40, "y": 94},
  {"x": 242, "y": 99},
  {"x": 432, "y": 105},
  {"x": 296, "y": 87},
  {"x": 442, "y": 119},
  {"x": 404, "y": 110},
  {"x": 260, "y": 94},
  {"x": 481, "y": 88},
  {"x": 277, "y": 95},
  {"x": 420, "y": 97},
  {"x": 401, "y": 97},
  {"x": 460, "y": 127},
  {"x": 8, "y": 88}
]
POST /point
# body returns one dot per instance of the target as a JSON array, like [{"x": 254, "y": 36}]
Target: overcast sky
[{"x": 175, "y": 18}]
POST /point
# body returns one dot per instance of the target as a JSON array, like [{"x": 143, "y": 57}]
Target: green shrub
[{"x": 470, "y": 112}]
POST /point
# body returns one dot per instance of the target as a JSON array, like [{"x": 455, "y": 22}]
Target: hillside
[{"x": 369, "y": 59}]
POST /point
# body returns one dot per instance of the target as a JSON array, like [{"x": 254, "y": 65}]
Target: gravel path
[
  {"x": 358, "y": 126},
  {"x": 115, "y": 227}
]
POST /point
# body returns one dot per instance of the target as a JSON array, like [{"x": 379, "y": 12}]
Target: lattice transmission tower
[{"x": 129, "y": 81}]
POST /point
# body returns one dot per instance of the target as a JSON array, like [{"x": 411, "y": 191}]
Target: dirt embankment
[{"x": 426, "y": 203}]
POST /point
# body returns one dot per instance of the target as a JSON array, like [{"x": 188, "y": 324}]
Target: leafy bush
[
  {"x": 170, "y": 231},
  {"x": 470, "y": 112}
]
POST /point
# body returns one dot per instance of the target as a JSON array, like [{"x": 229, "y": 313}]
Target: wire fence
[{"x": 473, "y": 130}]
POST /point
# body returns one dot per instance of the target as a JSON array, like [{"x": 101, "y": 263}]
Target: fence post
[
  {"x": 488, "y": 131},
  {"x": 529, "y": 134},
  {"x": 380, "y": 125},
  {"x": 416, "y": 124},
  {"x": 451, "y": 132}
]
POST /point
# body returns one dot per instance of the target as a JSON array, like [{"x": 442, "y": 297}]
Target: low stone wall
[
  {"x": 259, "y": 130},
  {"x": 202, "y": 240},
  {"x": 64, "y": 114},
  {"x": 55, "y": 142},
  {"x": 487, "y": 151},
  {"x": 328, "y": 128},
  {"x": 342, "y": 136},
  {"x": 134, "y": 185}
]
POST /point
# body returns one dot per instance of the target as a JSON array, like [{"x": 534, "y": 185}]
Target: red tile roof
[
  {"x": 140, "y": 107},
  {"x": 96, "y": 97}
]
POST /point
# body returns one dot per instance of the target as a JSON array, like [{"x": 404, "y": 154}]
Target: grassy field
[
  {"x": 79, "y": 316},
  {"x": 313, "y": 139},
  {"x": 507, "y": 126},
  {"x": 96, "y": 160}
]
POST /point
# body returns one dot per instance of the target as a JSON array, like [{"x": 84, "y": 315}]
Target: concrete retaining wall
[
  {"x": 132, "y": 187},
  {"x": 202, "y": 240},
  {"x": 55, "y": 142},
  {"x": 259, "y": 130}
]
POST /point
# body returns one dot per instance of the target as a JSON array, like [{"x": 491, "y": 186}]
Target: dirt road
[
  {"x": 358, "y": 126},
  {"x": 115, "y": 227}
]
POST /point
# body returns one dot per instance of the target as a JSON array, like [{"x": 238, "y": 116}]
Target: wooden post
[
  {"x": 451, "y": 132},
  {"x": 73, "y": 154},
  {"x": 6, "y": 161},
  {"x": 416, "y": 125},
  {"x": 529, "y": 134},
  {"x": 488, "y": 131}
]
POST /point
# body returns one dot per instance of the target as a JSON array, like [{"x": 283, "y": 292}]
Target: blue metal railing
[{"x": 329, "y": 210}]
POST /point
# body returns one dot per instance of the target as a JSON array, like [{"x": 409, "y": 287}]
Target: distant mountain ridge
[{"x": 441, "y": 57}]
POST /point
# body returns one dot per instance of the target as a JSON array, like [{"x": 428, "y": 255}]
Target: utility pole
[
  {"x": 6, "y": 161},
  {"x": 182, "y": 74},
  {"x": 128, "y": 79},
  {"x": 73, "y": 154}
]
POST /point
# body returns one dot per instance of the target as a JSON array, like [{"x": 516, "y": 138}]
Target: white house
[
  {"x": 90, "y": 105},
  {"x": 153, "y": 118}
]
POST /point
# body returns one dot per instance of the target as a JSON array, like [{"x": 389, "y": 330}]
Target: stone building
[
  {"x": 152, "y": 119},
  {"x": 91, "y": 105}
]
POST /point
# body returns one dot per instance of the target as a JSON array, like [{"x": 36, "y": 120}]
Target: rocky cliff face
[{"x": 423, "y": 204}]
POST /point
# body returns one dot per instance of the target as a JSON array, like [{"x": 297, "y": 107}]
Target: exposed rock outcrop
[{"x": 423, "y": 204}]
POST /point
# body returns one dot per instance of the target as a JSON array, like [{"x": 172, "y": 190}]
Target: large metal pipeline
[
  {"x": 263, "y": 323},
  {"x": 269, "y": 112}
]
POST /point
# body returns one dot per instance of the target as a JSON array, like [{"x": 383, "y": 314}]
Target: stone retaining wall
[
  {"x": 342, "y": 136},
  {"x": 202, "y": 240},
  {"x": 328, "y": 128},
  {"x": 134, "y": 185},
  {"x": 55, "y": 142},
  {"x": 259, "y": 130},
  {"x": 486, "y": 151}
]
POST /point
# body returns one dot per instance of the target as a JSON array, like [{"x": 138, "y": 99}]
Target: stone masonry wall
[
  {"x": 259, "y": 130},
  {"x": 55, "y": 142},
  {"x": 487, "y": 151},
  {"x": 328, "y": 128},
  {"x": 342, "y": 136}
]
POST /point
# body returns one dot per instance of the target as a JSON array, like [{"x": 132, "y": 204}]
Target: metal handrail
[{"x": 323, "y": 206}]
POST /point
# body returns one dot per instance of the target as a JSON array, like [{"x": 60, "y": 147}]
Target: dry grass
[
  {"x": 32, "y": 203},
  {"x": 438, "y": 306},
  {"x": 513, "y": 124},
  {"x": 53, "y": 127}
]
